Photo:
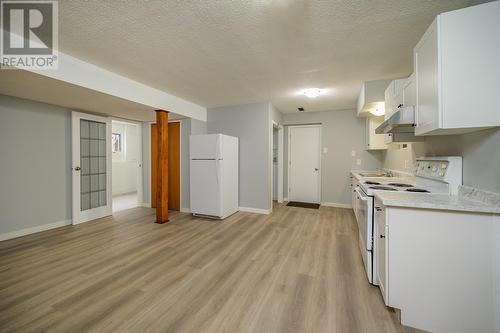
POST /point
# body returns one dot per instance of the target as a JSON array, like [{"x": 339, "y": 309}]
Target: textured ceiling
[
  {"x": 28, "y": 85},
  {"x": 222, "y": 52}
]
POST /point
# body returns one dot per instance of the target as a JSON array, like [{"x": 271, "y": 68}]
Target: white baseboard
[
  {"x": 185, "y": 210},
  {"x": 145, "y": 204},
  {"x": 33, "y": 230},
  {"x": 256, "y": 210},
  {"x": 334, "y": 204},
  {"x": 285, "y": 199}
]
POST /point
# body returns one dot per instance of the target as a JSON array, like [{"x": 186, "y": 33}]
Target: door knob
[{"x": 78, "y": 168}]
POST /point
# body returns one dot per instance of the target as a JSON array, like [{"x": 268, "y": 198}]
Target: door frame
[
  {"x": 319, "y": 153},
  {"x": 77, "y": 215},
  {"x": 280, "y": 161},
  {"x": 148, "y": 204},
  {"x": 140, "y": 176}
]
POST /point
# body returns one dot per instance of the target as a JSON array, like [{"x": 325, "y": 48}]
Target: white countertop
[
  {"x": 435, "y": 201},
  {"x": 396, "y": 179}
]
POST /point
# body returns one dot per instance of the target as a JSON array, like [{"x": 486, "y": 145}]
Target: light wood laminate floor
[{"x": 296, "y": 270}]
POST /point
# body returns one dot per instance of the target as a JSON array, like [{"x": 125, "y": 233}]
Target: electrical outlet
[
  {"x": 358, "y": 161},
  {"x": 353, "y": 153},
  {"x": 325, "y": 150}
]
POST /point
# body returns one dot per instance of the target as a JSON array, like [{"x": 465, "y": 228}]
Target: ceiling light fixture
[
  {"x": 312, "y": 92},
  {"x": 379, "y": 110}
]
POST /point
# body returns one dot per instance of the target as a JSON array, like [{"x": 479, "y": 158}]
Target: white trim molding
[
  {"x": 256, "y": 210},
  {"x": 185, "y": 210},
  {"x": 33, "y": 230},
  {"x": 145, "y": 204},
  {"x": 335, "y": 204}
]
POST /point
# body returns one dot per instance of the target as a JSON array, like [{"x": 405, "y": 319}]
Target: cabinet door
[
  {"x": 426, "y": 76},
  {"x": 398, "y": 93},
  {"x": 409, "y": 92},
  {"x": 381, "y": 250},
  {"x": 389, "y": 100},
  {"x": 374, "y": 141}
]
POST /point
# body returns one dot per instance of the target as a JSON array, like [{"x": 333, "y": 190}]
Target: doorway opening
[
  {"x": 126, "y": 152},
  {"x": 304, "y": 162},
  {"x": 174, "y": 164},
  {"x": 277, "y": 163}
]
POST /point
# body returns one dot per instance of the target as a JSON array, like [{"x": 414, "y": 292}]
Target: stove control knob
[
  {"x": 434, "y": 168},
  {"x": 443, "y": 166},
  {"x": 441, "y": 174}
]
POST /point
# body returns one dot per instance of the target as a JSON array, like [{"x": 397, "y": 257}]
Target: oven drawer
[
  {"x": 364, "y": 208},
  {"x": 381, "y": 244}
]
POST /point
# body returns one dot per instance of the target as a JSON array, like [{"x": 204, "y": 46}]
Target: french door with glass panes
[{"x": 91, "y": 167}]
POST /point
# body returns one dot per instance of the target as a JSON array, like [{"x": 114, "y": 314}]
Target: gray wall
[
  {"x": 341, "y": 132},
  {"x": 251, "y": 124},
  {"x": 198, "y": 126},
  {"x": 276, "y": 116},
  {"x": 480, "y": 151},
  {"x": 35, "y": 164}
]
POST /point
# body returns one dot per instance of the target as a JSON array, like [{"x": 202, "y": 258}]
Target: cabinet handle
[
  {"x": 382, "y": 236},
  {"x": 378, "y": 209}
]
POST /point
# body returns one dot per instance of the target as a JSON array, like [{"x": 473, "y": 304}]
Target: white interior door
[
  {"x": 304, "y": 164},
  {"x": 280, "y": 163},
  {"x": 91, "y": 165}
]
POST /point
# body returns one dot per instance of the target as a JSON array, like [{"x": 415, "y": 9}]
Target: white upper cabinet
[
  {"x": 410, "y": 91},
  {"x": 371, "y": 97},
  {"x": 374, "y": 141},
  {"x": 393, "y": 96},
  {"x": 457, "y": 72}
]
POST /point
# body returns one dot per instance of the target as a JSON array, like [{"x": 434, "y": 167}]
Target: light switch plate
[
  {"x": 325, "y": 150},
  {"x": 353, "y": 153}
]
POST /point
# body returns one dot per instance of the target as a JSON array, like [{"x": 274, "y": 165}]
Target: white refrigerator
[{"x": 213, "y": 175}]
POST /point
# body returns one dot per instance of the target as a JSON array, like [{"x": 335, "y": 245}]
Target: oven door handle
[{"x": 362, "y": 196}]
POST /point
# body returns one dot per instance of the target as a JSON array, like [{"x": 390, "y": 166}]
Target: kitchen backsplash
[{"x": 480, "y": 152}]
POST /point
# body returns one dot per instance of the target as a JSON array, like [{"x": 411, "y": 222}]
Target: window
[{"x": 116, "y": 140}]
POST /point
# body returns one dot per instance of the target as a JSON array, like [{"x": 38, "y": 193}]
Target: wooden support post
[{"x": 162, "y": 167}]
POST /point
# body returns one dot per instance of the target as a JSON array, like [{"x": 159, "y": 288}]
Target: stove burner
[
  {"x": 400, "y": 185},
  {"x": 372, "y": 183},
  {"x": 419, "y": 190},
  {"x": 385, "y": 188}
]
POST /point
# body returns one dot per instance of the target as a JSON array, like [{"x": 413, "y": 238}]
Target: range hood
[{"x": 402, "y": 121}]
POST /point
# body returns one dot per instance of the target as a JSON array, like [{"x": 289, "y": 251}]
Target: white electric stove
[{"x": 433, "y": 175}]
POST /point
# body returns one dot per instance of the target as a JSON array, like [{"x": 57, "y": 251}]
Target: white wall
[
  {"x": 480, "y": 151},
  {"x": 341, "y": 133},
  {"x": 126, "y": 163},
  {"x": 35, "y": 164}
]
